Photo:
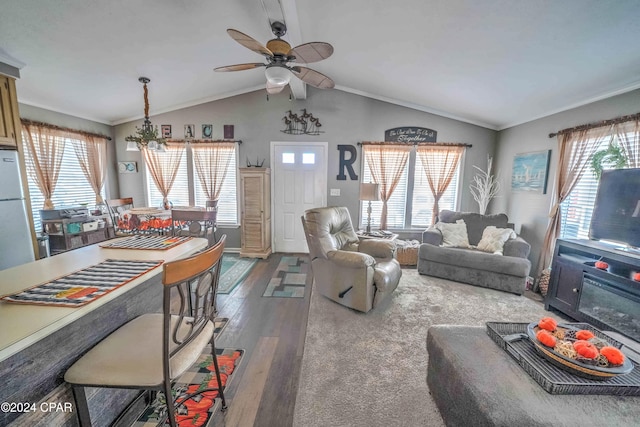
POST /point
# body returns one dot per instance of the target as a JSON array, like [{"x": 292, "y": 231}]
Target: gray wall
[
  {"x": 72, "y": 122},
  {"x": 530, "y": 212},
  {"x": 345, "y": 118}
]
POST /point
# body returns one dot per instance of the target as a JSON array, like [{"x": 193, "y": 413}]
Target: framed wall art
[
  {"x": 531, "y": 172},
  {"x": 165, "y": 131},
  {"x": 207, "y": 131},
  {"x": 127, "y": 167},
  {"x": 189, "y": 131}
]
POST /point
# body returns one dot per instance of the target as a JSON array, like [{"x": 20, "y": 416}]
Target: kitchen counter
[{"x": 38, "y": 343}]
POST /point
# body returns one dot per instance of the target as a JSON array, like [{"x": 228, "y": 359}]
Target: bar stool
[
  {"x": 196, "y": 223},
  {"x": 152, "y": 351}
]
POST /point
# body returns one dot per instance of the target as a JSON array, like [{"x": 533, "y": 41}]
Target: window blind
[
  {"x": 421, "y": 198},
  {"x": 72, "y": 188},
  {"x": 396, "y": 205},
  {"x": 228, "y": 201},
  {"x": 179, "y": 194},
  {"x": 577, "y": 208},
  {"x": 422, "y": 210}
]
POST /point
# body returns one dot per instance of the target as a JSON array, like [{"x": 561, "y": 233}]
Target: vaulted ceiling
[{"x": 495, "y": 63}]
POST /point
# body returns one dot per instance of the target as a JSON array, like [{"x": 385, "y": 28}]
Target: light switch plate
[{"x": 334, "y": 192}]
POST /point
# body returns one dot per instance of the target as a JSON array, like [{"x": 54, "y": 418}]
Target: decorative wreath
[{"x": 613, "y": 156}]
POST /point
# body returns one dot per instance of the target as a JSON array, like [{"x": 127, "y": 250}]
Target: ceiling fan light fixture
[{"x": 277, "y": 75}]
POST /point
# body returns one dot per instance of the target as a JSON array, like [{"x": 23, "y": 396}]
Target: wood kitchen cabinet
[
  {"x": 255, "y": 209},
  {"x": 8, "y": 113}
]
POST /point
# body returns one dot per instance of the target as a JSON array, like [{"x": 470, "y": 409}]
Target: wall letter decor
[{"x": 347, "y": 163}]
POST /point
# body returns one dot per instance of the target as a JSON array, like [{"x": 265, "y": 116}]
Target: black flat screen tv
[{"x": 616, "y": 214}]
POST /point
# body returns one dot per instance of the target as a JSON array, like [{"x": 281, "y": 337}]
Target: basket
[{"x": 407, "y": 255}]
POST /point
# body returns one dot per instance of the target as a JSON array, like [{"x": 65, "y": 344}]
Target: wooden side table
[{"x": 377, "y": 235}]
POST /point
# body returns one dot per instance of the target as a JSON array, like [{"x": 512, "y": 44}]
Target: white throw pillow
[
  {"x": 454, "y": 235},
  {"x": 493, "y": 239}
]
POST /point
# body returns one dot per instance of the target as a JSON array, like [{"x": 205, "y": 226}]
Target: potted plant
[{"x": 611, "y": 157}]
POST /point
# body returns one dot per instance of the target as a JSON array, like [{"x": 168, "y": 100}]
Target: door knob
[{"x": 575, "y": 290}]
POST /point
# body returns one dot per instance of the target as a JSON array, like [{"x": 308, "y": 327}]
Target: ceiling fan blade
[
  {"x": 313, "y": 77},
  {"x": 239, "y": 67},
  {"x": 273, "y": 89},
  {"x": 311, "y": 52},
  {"x": 249, "y": 42}
]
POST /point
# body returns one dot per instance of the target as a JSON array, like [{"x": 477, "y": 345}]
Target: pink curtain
[
  {"x": 386, "y": 163},
  {"x": 92, "y": 156},
  {"x": 629, "y": 136},
  {"x": 576, "y": 150},
  {"x": 43, "y": 157},
  {"x": 439, "y": 165},
  {"x": 163, "y": 167},
  {"x": 212, "y": 161}
]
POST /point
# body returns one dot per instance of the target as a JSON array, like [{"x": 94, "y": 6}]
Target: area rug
[
  {"x": 197, "y": 410},
  {"x": 234, "y": 270},
  {"x": 289, "y": 279},
  {"x": 370, "y": 369}
]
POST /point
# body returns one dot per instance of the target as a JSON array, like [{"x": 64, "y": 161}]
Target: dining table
[
  {"x": 148, "y": 220},
  {"x": 39, "y": 342}
]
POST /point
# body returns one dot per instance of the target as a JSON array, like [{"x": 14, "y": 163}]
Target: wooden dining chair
[
  {"x": 116, "y": 209},
  {"x": 196, "y": 223},
  {"x": 153, "y": 350}
]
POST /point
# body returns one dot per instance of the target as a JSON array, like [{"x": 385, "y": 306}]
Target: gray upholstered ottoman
[{"x": 476, "y": 383}]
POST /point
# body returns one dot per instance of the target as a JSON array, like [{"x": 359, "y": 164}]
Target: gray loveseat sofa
[{"x": 507, "y": 272}]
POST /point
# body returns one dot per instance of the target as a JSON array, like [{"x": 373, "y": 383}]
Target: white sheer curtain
[
  {"x": 212, "y": 160},
  {"x": 163, "y": 168}
]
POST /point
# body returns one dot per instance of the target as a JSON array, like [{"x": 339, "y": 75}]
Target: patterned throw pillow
[
  {"x": 493, "y": 239},
  {"x": 454, "y": 235}
]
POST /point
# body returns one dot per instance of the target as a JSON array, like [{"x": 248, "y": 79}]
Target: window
[
  {"x": 422, "y": 212},
  {"x": 72, "y": 188},
  {"x": 187, "y": 178},
  {"x": 411, "y": 203},
  {"x": 179, "y": 194},
  {"x": 577, "y": 208}
]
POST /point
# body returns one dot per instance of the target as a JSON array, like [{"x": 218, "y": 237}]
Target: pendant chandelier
[{"x": 146, "y": 136}]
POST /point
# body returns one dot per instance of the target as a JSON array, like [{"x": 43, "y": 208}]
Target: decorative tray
[
  {"x": 513, "y": 338},
  {"x": 596, "y": 369}
]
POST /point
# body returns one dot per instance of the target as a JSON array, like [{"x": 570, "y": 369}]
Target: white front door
[{"x": 299, "y": 183}]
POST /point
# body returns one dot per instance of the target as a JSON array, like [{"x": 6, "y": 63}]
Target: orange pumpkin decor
[
  {"x": 548, "y": 324},
  {"x": 613, "y": 355},
  {"x": 585, "y": 349},
  {"x": 583, "y": 334},
  {"x": 546, "y": 338}
]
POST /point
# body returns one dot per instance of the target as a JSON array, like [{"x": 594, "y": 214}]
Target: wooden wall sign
[{"x": 410, "y": 134}]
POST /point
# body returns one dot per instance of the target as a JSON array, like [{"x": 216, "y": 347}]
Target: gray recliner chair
[{"x": 357, "y": 274}]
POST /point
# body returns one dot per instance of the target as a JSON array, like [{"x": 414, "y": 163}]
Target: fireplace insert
[{"x": 611, "y": 306}]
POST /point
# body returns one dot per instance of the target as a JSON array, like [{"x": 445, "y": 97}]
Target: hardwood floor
[{"x": 263, "y": 389}]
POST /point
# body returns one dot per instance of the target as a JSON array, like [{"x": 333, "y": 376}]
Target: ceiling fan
[{"x": 278, "y": 54}]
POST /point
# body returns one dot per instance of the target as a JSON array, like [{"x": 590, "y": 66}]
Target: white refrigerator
[{"x": 15, "y": 237}]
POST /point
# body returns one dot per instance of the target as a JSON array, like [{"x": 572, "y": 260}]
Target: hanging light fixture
[
  {"x": 147, "y": 135},
  {"x": 277, "y": 75}
]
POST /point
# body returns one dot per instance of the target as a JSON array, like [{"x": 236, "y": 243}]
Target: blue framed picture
[
  {"x": 207, "y": 131},
  {"x": 531, "y": 172}
]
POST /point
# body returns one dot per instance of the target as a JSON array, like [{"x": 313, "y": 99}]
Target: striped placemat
[
  {"x": 147, "y": 242},
  {"x": 83, "y": 286}
]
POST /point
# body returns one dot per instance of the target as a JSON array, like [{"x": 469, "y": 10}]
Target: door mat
[
  {"x": 233, "y": 271},
  {"x": 153, "y": 243},
  {"x": 199, "y": 409},
  {"x": 84, "y": 286},
  {"x": 288, "y": 281}
]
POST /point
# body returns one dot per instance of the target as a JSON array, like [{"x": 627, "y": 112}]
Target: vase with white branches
[{"x": 485, "y": 186}]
